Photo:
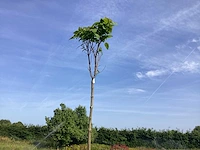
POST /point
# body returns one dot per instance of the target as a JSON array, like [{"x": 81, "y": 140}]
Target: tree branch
[{"x": 96, "y": 59}]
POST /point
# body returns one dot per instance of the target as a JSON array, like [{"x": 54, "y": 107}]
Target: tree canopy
[
  {"x": 97, "y": 33},
  {"x": 68, "y": 126}
]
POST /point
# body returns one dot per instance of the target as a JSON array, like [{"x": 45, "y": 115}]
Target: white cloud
[
  {"x": 191, "y": 66},
  {"x": 134, "y": 91},
  {"x": 151, "y": 73},
  {"x": 140, "y": 75},
  {"x": 155, "y": 73},
  {"x": 187, "y": 66},
  {"x": 195, "y": 40},
  {"x": 184, "y": 59}
]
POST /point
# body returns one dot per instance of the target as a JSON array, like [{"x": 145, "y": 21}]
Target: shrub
[{"x": 119, "y": 147}]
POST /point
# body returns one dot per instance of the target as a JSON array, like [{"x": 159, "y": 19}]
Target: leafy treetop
[{"x": 97, "y": 33}]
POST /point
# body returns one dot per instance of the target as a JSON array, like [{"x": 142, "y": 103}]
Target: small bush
[{"x": 119, "y": 147}]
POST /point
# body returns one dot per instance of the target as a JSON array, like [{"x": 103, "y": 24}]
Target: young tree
[
  {"x": 91, "y": 39},
  {"x": 74, "y": 125}
]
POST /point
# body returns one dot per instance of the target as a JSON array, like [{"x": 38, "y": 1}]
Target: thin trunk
[
  {"x": 90, "y": 115},
  {"x": 95, "y": 56}
]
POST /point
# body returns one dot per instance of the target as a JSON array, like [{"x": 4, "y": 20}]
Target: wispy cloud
[
  {"x": 135, "y": 90},
  {"x": 195, "y": 40},
  {"x": 10, "y": 34},
  {"x": 184, "y": 59},
  {"x": 140, "y": 75},
  {"x": 155, "y": 73},
  {"x": 187, "y": 66},
  {"x": 16, "y": 13},
  {"x": 175, "y": 114},
  {"x": 109, "y": 9},
  {"x": 143, "y": 43},
  {"x": 182, "y": 19}
]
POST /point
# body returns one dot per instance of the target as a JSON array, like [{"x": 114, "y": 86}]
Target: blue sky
[{"x": 151, "y": 73}]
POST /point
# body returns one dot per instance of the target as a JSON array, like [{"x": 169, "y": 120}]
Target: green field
[{"x": 9, "y": 144}]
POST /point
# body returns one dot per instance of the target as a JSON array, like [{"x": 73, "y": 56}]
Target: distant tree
[
  {"x": 17, "y": 131},
  {"x": 37, "y": 132},
  {"x": 68, "y": 126},
  {"x": 91, "y": 39},
  {"x": 195, "y": 137},
  {"x": 4, "y": 127},
  {"x": 5, "y": 122},
  {"x": 18, "y": 124},
  {"x": 196, "y": 129}
]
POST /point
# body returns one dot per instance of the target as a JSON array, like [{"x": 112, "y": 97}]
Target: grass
[{"x": 9, "y": 144}]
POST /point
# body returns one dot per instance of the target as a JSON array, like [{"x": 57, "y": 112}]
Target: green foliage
[
  {"x": 106, "y": 45},
  {"x": 15, "y": 130},
  {"x": 142, "y": 137},
  {"x": 5, "y": 122},
  {"x": 92, "y": 36},
  {"x": 98, "y": 32},
  {"x": 68, "y": 126},
  {"x": 74, "y": 129},
  {"x": 4, "y": 127},
  {"x": 18, "y": 131}
]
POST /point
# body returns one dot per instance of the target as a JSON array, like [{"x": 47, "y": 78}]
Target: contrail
[
  {"x": 181, "y": 15},
  {"x": 174, "y": 19},
  {"x": 167, "y": 78}
]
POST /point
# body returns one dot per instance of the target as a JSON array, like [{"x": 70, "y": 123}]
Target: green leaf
[
  {"x": 106, "y": 45},
  {"x": 106, "y": 20},
  {"x": 97, "y": 36},
  {"x": 94, "y": 30},
  {"x": 100, "y": 49}
]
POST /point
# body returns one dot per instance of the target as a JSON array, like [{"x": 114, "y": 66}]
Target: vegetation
[
  {"x": 68, "y": 128},
  {"x": 8, "y": 144},
  {"x": 142, "y": 137},
  {"x": 12, "y": 144},
  {"x": 91, "y": 39}
]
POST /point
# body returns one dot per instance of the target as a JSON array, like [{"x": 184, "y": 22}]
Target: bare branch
[
  {"x": 89, "y": 65},
  {"x": 96, "y": 59}
]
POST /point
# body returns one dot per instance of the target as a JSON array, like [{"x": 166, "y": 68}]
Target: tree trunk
[{"x": 90, "y": 115}]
